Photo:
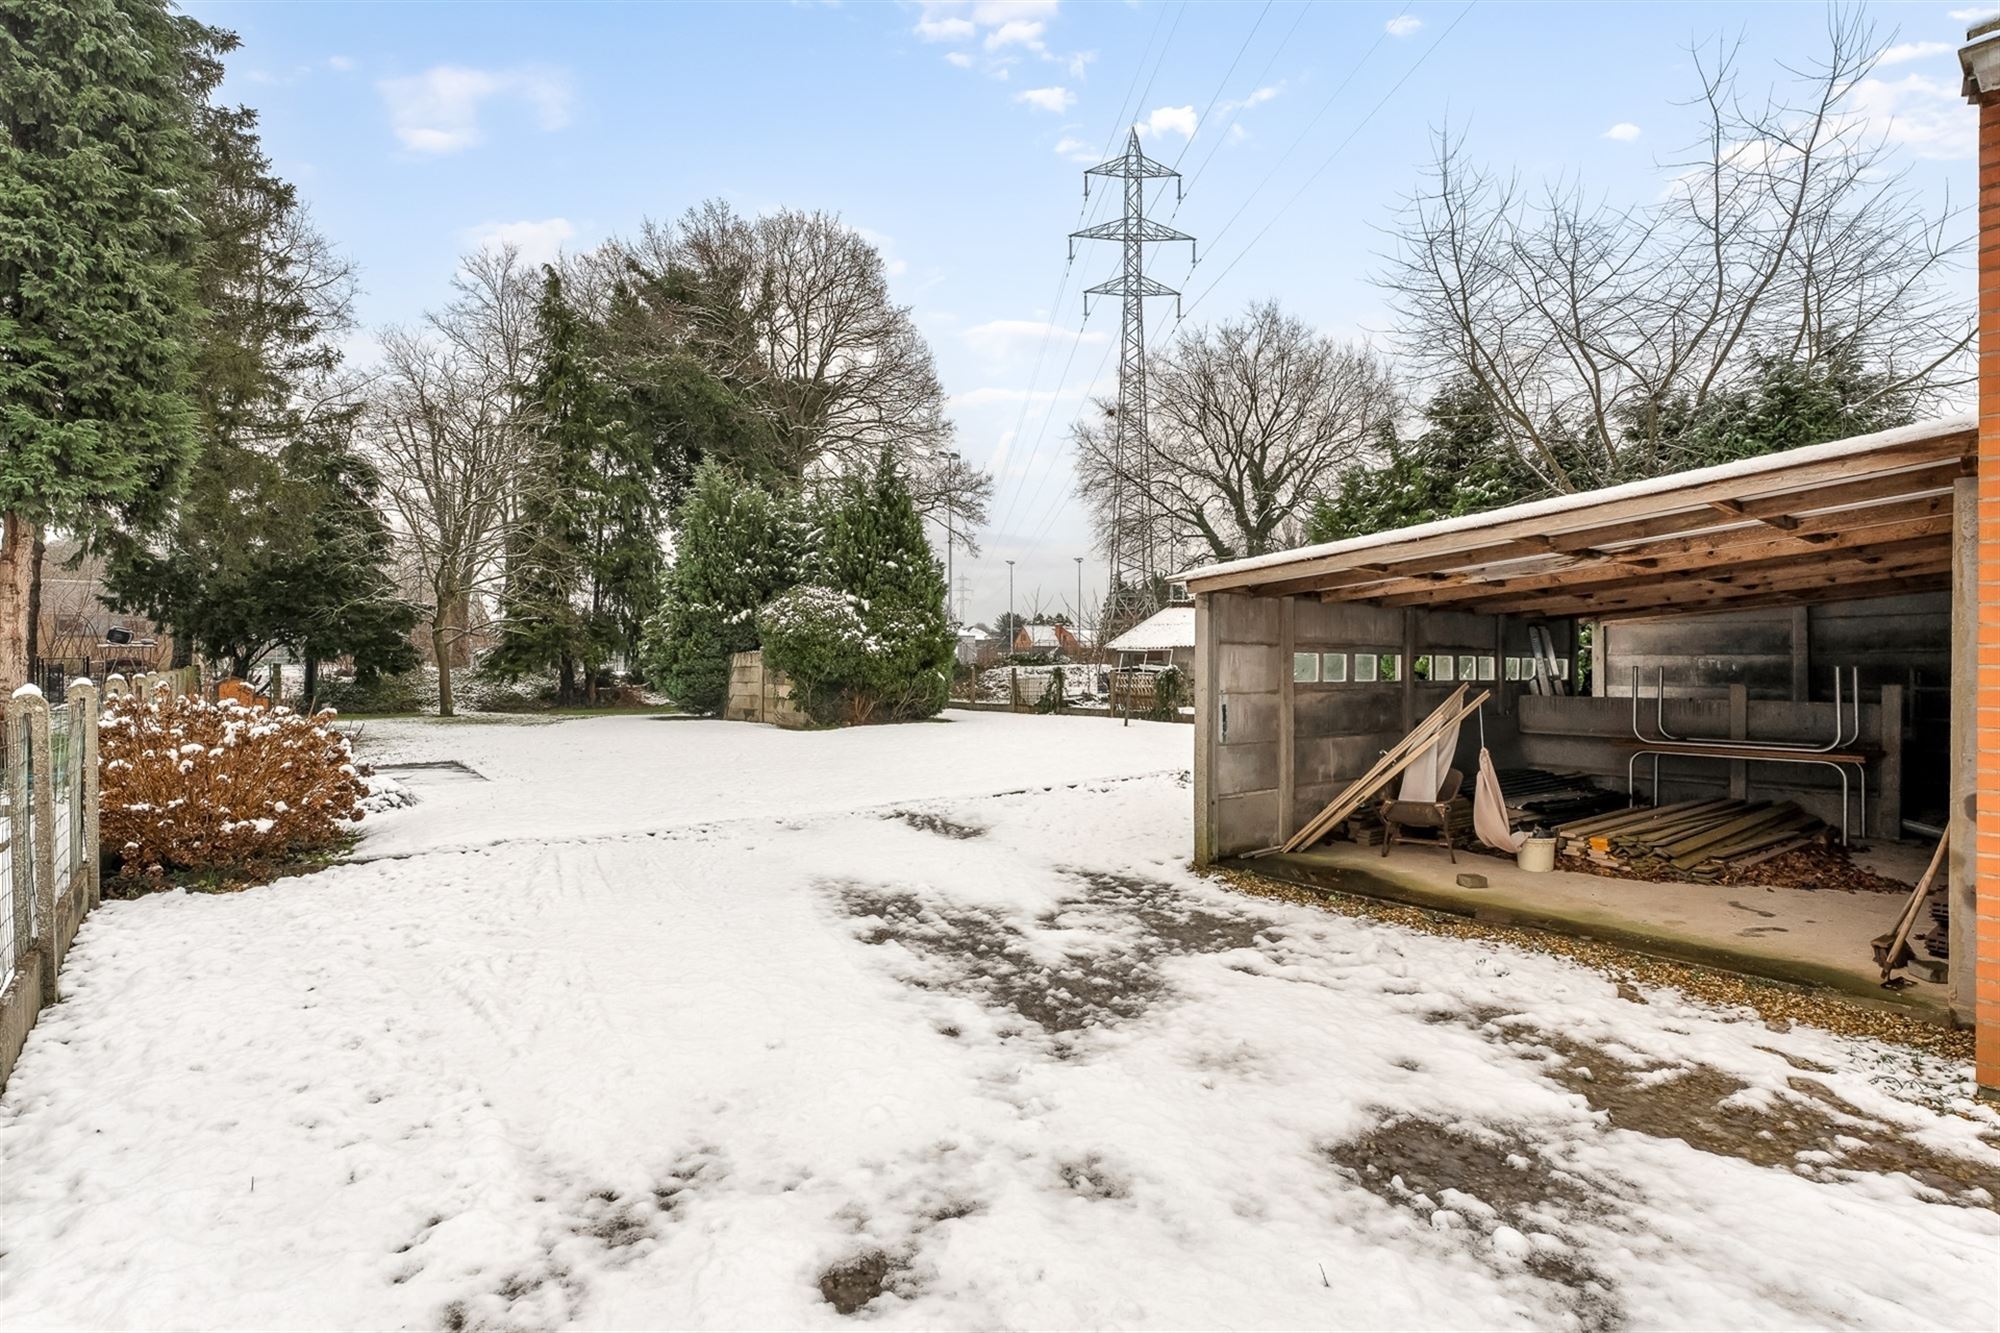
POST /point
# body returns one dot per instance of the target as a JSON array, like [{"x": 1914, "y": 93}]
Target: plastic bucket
[{"x": 1537, "y": 854}]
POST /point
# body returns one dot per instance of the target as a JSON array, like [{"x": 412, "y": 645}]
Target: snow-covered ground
[{"x": 705, "y": 1024}]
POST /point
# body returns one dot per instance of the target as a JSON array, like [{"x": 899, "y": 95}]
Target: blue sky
[{"x": 955, "y": 135}]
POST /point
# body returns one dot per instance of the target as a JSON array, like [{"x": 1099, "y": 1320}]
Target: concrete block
[
  {"x": 1253, "y": 718},
  {"x": 1246, "y": 768},
  {"x": 1249, "y": 668},
  {"x": 1246, "y": 823},
  {"x": 1240, "y": 618}
]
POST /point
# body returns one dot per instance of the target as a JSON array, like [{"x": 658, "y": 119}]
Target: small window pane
[
  {"x": 1468, "y": 667},
  {"x": 1391, "y": 666},
  {"x": 1305, "y": 668},
  {"x": 1562, "y": 667},
  {"x": 1486, "y": 671},
  {"x": 1513, "y": 668},
  {"x": 1336, "y": 668},
  {"x": 1441, "y": 667},
  {"x": 1364, "y": 668}
]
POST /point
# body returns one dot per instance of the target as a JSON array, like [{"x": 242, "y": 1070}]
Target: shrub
[
  {"x": 220, "y": 789},
  {"x": 1053, "y": 698},
  {"x": 815, "y": 635},
  {"x": 1170, "y": 694}
]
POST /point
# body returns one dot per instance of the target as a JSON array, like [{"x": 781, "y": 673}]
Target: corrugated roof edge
[{"x": 1558, "y": 504}]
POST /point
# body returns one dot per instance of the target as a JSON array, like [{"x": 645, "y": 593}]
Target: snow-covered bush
[
  {"x": 221, "y": 789},
  {"x": 816, "y": 636}
]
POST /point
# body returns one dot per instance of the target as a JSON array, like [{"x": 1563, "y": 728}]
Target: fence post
[
  {"x": 21, "y": 860},
  {"x": 84, "y": 796},
  {"x": 34, "y": 798}
]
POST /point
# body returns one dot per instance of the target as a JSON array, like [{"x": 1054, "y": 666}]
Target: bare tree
[
  {"x": 441, "y": 428},
  {"x": 792, "y": 309},
  {"x": 1782, "y": 232},
  {"x": 1251, "y": 421}
]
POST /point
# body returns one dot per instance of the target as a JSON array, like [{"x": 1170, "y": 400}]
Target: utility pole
[
  {"x": 1010, "y": 606},
  {"x": 1130, "y": 592},
  {"x": 1078, "y": 615}
]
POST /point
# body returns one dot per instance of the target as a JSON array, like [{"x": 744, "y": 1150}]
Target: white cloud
[
  {"x": 1973, "y": 15},
  {"x": 1168, "y": 120},
  {"x": 540, "y": 242},
  {"x": 1925, "y": 115},
  {"x": 1904, "y": 52},
  {"x": 1017, "y": 32},
  {"x": 1057, "y": 100},
  {"x": 1624, "y": 131},
  {"x": 1076, "y": 150},
  {"x": 946, "y": 29},
  {"x": 1001, "y": 337},
  {"x": 341, "y": 63},
  {"x": 958, "y": 58},
  {"x": 438, "y": 110},
  {"x": 1402, "y": 25}
]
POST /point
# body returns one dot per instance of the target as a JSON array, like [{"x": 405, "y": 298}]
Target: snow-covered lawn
[{"x": 703, "y": 1024}]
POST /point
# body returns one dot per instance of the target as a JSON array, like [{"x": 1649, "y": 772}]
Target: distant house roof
[
  {"x": 1171, "y": 627},
  {"x": 1046, "y": 636}
]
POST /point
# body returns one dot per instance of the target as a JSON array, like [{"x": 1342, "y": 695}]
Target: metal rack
[{"x": 1830, "y": 755}]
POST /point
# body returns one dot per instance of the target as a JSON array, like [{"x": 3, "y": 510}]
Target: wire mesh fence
[{"x": 48, "y": 824}]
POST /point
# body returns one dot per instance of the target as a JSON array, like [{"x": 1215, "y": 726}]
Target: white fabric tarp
[
  {"x": 1423, "y": 778},
  {"x": 1489, "y": 810}
]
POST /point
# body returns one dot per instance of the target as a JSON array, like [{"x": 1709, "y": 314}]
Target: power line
[
  {"x": 1255, "y": 84},
  {"x": 1324, "y": 107},
  {"x": 1220, "y": 84},
  {"x": 1338, "y": 149},
  {"x": 1127, "y": 110}
]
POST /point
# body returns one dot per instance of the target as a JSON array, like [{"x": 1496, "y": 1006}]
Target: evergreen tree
[
  {"x": 547, "y": 616},
  {"x": 276, "y": 540},
  {"x": 1788, "y": 403},
  {"x": 736, "y": 546},
  {"x": 101, "y": 176},
  {"x": 1460, "y": 464},
  {"x": 871, "y": 549}
]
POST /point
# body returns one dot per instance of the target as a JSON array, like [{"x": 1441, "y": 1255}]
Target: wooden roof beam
[{"x": 1866, "y": 499}]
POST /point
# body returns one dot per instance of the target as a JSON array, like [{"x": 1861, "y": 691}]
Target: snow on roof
[
  {"x": 1171, "y": 627},
  {"x": 1555, "y": 506},
  {"x": 1044, "y": 636}
]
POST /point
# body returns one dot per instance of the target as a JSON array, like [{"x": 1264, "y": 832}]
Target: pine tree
[
  {"x": 736, "y": 546},
  {"x": 871, "y": 548},
  {"x": 101, "y": 175}
]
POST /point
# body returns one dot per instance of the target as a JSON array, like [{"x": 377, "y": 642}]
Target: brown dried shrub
[{"x": 220, "y": 789}]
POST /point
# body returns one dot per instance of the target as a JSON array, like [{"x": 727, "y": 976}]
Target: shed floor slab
[{"x": 1797, "y": 936}]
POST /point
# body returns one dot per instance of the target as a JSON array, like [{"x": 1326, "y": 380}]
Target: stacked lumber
[{"x": 1702, "y": 841}]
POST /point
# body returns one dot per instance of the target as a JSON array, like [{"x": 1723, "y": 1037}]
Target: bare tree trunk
[
  {"x": 17, "y": 560},
  {"x": 310, "y": 682},
  {"x": 441, "y": 650},
  {"x": 35, "y": 595}
]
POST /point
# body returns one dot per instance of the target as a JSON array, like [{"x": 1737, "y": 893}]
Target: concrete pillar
[
  {"x": 1288, "y": 611},
  {"x": 1801, "y": 654},
  {"x": 1205, "y": 721},
  {"x": 1980, "y": 58},
  {"x": 1739, "y": 730},
  {"x": 1885, "y": 821},
  {"x": 1964, "y": 754}
]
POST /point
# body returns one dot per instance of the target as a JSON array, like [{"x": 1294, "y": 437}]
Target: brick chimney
[{"x": 1980, "y": 58}]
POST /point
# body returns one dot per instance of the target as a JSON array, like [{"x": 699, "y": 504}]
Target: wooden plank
[
  {"x": 1694, "y": 491},
  {"x": 1961, "y": 885},
  {"x": 1898, "y": 941},
  {"x": 1399, "y": 757}
]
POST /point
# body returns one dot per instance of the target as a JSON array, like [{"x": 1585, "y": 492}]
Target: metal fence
[{"x": 48, "y": 838}]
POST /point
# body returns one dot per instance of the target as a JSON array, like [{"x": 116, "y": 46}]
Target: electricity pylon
[{"x": 1130, "y": 596}]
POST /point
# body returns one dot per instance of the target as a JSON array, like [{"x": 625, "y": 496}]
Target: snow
[
  {"x": 663, "y": 1021},
  {"x": 1169, "y": 627}
]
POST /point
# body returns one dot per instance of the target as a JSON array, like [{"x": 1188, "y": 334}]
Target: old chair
[{"x": 1399, "y": 815}]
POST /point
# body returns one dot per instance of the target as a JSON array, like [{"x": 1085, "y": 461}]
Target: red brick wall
[{"x": 1987, "y": 986}]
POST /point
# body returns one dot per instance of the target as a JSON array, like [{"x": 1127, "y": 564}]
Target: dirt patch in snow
[
  {"x": 1806, "y": 1128},
  {"x": 1497, "y": 1187},
  {"x": 982, "y": 953},
  {"x": 927, "y": 822},
  {"x": 850, "y": 1285}
]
